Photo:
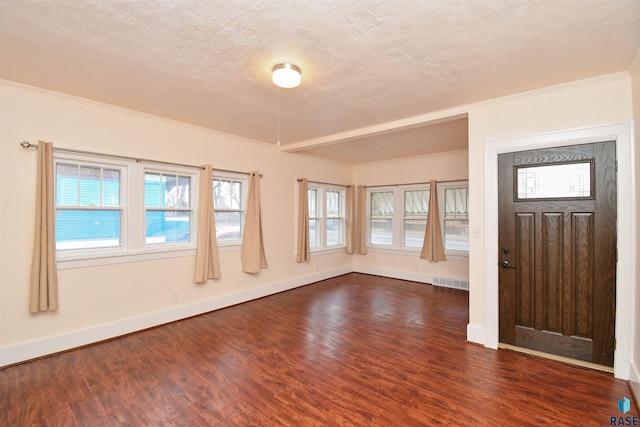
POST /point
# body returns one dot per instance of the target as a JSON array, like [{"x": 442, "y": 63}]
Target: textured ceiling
[{"x": 364, "y": 63}]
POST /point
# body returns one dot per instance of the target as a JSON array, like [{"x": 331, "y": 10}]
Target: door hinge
[
  {"x": 615, "y": 344},
  {"x": 616, "y": 166}
]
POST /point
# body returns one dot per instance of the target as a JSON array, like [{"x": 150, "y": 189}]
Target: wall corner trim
[{"x": 476, "y": 334}]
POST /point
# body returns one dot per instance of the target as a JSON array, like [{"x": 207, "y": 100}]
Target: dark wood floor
[{"x": 356, "y": 350}]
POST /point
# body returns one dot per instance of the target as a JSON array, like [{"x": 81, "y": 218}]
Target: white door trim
[{"x": 621, "y": 133}]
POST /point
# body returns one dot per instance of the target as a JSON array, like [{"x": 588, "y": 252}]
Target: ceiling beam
[{"x": 379, "y": 129}]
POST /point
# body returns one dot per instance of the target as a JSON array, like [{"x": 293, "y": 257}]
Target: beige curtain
[
  {"x": 360, "y": 223},
  {"x": 303, "y": 252},
  {"x": 350, "y": 236},
  {"x": 433, "y": 248},
  {"x": 252, "y": 255},
  {"x": 44, "y": 275},
  {"x": 207, "y": 266}
]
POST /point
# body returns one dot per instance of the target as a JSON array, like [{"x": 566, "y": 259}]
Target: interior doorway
[
  {"x": 485, "y": 250},
  {"x": 557, "y": 243}
]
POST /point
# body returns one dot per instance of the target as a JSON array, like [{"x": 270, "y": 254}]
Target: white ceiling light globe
[{"x": 286, "y": 75}]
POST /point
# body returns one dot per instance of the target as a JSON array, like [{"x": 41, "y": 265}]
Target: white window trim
[
  {"x": 133, "y": 247},
  {"x": 450, "y": 254},
  {"x": 235, "y": 244},
  {"x": 122, "y": 207},
  {"x": 322, "y": 218}
]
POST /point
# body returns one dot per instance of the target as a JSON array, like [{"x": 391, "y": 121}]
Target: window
[
  {"x": 398, "y": 216},
  {"x": 108, "y": 208},
  {"x": 229, "y": 199},
  {"x": 381, "y": 218},
  {"x": 167, "y": 201},
  {"x": 454, "y": 208},
  {"x": 326, "y": 216},
  {"x": 314, "y": 218},
  {"x": 89, "y": 210},
  {"x": 335, "y": 217},
  {"x": 416, "y": 208}
]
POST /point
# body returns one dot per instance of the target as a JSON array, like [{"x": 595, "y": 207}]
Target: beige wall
[
  {"x": 442, "y": 167},
  {"x": 601, "y": 101},
  {"x": 101, "y": 300}
]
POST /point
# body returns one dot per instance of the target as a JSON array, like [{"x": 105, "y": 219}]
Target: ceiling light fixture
[{"x": 286, "y": 75}]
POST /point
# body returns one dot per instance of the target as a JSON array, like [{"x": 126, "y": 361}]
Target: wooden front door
[{"x": 557, "y": 242}]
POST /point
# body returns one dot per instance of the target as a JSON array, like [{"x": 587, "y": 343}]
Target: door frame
[{"x": 621, "y": 134}]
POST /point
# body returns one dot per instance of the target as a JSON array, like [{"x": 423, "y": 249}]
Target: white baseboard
[
  {"x": 33, "y": 349},
  {"x": 634, "y": 382},
  {"x": 475, "y": 334},
  {"x": 415, "y": 276},
  {"x": 394, "y": 274}
]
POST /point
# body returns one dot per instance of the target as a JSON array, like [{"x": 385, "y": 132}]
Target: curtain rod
[
  {"x": 415, "y": 183},
  {"x": 325, "y": 183},
  {"x": 27, "y": 144}
]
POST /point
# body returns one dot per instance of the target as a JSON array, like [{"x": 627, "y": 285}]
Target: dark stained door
[{"x": 558, "y": 250}]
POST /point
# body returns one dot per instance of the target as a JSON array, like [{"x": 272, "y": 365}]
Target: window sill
[
  {"x": 457, "y": 256},
  {"x": 67, "y": 262},
  {"x": 235, "y": 247},
  {"x": 92, "y": 260},
  {"x": 416, "y": 252},
  {"x": 326, "y": 251},
  {"x": 396, "y": 251}
]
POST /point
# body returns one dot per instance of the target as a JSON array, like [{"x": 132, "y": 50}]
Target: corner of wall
[
  {"x": 634, "y": 384},
  {"x": 476, "y": 334}
]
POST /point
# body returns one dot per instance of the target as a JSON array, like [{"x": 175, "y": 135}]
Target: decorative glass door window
[{"x": 559, "y": 181}]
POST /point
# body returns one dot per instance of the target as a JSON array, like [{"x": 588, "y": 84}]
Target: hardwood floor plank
[{"x": 356, "y": 350}]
